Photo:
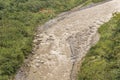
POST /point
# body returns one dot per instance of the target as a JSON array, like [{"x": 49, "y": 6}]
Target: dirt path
[{"x": 65, "y": 41}]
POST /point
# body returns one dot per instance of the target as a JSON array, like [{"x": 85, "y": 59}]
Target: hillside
[
  {"x": 64, "y": 42},
  {"x": 18, "y": 22}
]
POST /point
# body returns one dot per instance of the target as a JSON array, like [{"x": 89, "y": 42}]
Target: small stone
[
  {"x": 42, "y": 62},
  {"x": 37, "y": 35},
  {"x": 34, "y": 41},
  {"x": 38, "y": 61},
  {"x": 34, "y": 71},
  {"x": 37, "y": 65},
  {"x": 49, "y": 59},
  {"x": 37, "y": 57}
]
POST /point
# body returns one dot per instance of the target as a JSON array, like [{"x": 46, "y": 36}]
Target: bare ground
[{"x": 64, "y": 41}]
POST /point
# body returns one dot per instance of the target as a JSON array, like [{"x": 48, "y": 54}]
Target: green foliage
[
  {"x": 97, "y": 1},
  {"x": 87, "y": 2},
  {"x": 103, "y": 60}
]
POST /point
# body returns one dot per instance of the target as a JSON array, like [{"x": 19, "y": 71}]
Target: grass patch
[
  {"x": 103, "y": 60},
  {"x": 87, "y": 2}
]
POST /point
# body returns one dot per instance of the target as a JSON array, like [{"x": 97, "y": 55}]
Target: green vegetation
[
  {"x": 95, "y": 1},
  {"x": 18, "y": 19},
  {"x": 103, "y": 60},
  {"x": 91, "y": 1}
]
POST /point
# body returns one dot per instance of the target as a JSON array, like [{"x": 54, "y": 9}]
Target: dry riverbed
[{"x": 64, "y": 41}]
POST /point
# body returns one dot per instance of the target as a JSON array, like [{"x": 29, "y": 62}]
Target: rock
[
  {"x": 37, "y": 64},
  {"x": 37, "y": 57}
]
